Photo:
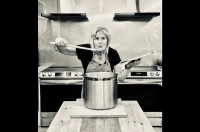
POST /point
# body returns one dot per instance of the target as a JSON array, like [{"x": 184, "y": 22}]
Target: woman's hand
[
  {"x": 61, "y": 46},
  {"x": 133, "y": 63},
  {"x": 61, "y": 42}
]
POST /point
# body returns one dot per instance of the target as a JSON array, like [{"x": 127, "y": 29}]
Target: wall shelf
[
  {"x": 74, "y": 17},
  {"x": 135, "y": 16}
]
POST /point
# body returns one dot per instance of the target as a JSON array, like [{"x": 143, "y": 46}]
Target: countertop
[{"x": 63, "y": 123}]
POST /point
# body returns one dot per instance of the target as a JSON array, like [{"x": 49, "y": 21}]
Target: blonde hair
[{"x": 105, "y": 32}]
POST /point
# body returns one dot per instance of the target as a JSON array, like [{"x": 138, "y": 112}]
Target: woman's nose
[{"x": 100, "y": 41}]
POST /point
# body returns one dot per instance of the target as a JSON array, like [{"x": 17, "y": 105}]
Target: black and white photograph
[{"x": 100, "y": 66}]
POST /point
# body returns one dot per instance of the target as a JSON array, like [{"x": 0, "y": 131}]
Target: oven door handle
[
  {"x": 64, "y": 82},
  {"x": 141, "y": 82}
]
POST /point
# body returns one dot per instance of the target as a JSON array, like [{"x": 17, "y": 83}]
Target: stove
[
  {"x": 68, "y": 73},
  {"x": 61, "y": 73}
]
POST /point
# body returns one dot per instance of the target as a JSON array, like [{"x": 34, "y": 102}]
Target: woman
[{"x": 106, "y": 59}]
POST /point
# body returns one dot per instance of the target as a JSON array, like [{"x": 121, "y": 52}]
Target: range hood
[
  {"x": 144, "y": 16},
  {"x": 138, "y": 16},
  {"x": 81, "y": 17},
  {"x": 74, "y": 17},
  {"x": 117, "y": 10}
]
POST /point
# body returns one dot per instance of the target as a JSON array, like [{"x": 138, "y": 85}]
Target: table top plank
[
  {"x": 100, "y": 125},
  {"x": 131, "y": 123},
  {"x": 124, "y": 122},
  {"x": 74, "y": 125},
  {"x": 56, "y": 123},
  {"x": 135, "y": 113},
  {"x": 63, "y": 123},
  {"x": 142, "y": 117},
  {"x": 62, "y": 120}
]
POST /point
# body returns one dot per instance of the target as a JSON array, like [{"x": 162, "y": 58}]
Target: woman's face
[{"x": 100, "y": 41}]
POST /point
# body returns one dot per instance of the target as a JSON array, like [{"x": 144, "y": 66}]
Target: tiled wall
[{"x": 130, "y": 39}]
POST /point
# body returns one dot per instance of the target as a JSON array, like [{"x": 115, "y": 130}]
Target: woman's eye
[
  {"x": 97, "y": 38},
  {"x": 103, "y": 38}
]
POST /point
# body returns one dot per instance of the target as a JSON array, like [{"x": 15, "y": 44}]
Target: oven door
[
  {"x": 149, "y": 96},
  {"x": 52, "y": 97}
]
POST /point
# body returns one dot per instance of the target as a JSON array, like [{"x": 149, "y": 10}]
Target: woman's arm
[
  {"x": 61, "y": 46},
  {"x": 123, "y": 72}
]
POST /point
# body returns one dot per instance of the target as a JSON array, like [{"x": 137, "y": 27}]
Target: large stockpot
[{"x": 100, "y": 90}]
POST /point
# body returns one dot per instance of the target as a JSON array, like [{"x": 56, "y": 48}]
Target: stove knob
[
  {"x": 81, "y": 74},
  {"x": 49, "y": 74},
  {"x": 75, "y": 74},
  {"x": 157, "y": 73},
  {"x": 151, "y": 73},
  {"x": 68, "y": 74},
  {"x": 43, "y": 74}
]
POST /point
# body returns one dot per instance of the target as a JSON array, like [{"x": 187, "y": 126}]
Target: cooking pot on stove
[{"x": 100, "y": 90}]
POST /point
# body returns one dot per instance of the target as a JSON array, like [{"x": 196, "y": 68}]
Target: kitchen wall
[{"x": 130, "y": 39}]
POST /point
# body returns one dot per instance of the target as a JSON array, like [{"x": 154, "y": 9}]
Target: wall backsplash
[{"x": 130, "y": 39}]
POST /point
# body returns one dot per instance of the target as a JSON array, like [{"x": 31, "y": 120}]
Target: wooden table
[{"x": 63, "y": 123}]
